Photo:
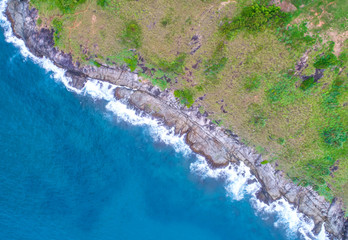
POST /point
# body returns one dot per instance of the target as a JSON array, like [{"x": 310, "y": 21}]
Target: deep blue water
[{"x": 70, "y": 170}]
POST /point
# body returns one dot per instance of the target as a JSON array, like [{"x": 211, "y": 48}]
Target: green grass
[
  {"x": 57, "y": 25},
  {"x": 252, "y": 82},
  {"x": 65, "y": 6},
  {"x": 243, "y": 64},
  {"x": 256, "y": 17},
  {"x": 185, "y": 97},
  {"x": 296, "y": 36},
  {"x": 132, "y": 34}
]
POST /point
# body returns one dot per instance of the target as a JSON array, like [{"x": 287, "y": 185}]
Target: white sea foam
[
  {"x": 236, "y": 184},
  {"x": 57, "y": 73},
  {"x": 159, "y": 132},
  {"x": 236, "y": 177},
  {"x": 287, "y": 217}
]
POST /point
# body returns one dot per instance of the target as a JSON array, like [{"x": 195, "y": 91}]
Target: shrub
[
  {"x": 308, "y": 83},
  {"x": 281, "y": 141},
  {"x": 325, "y": 61},
  {"x": 165, "y": 21},
  {"x": 256, "y": 17},
  {"x": 335, "y": 136},
  {"x": 252, "y": 82},
  {"x": 313, "y": 172},
  {"x": 161, "y": 83},
  {"x": 67, "y": 6},
  {"x": 343, "y": 58},
  {"x": 214, "y": 66},
  {"x": 258, "y": 117},
  {"x": 57, "y": 25},
  {"x": 132, "y": 35},
  {"x": 103, "y": 3},
  {"x": 157, "y": 77},
  {"x": 330, "y": 99},
  {"x": 39, "y": 22},
  {"x": 185, "y": 97},
  {"x": 275, "y": 93},
  {"x": 175, "y": 66},
  {"x": 216, "y": 63},
  {"x": 132, "y": 62},
  {"x": 95, "y": 63},
  {"x": 295, "y": 36}
]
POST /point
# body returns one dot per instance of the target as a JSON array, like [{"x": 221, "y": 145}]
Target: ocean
[{"x": 80, "y": 165}]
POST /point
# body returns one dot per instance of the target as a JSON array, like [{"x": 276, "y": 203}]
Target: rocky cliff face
[{"x": 217, "y": 145}]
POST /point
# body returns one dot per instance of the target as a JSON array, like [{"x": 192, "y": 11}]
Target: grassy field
[{"x": 237, "y": 61}]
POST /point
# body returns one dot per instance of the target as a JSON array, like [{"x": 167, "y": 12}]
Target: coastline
[{"x": 202, "y": 136}]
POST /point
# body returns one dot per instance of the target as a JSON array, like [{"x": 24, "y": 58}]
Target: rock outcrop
[{"x": 217, "y": 145}]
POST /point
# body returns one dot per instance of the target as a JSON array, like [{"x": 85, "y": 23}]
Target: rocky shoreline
[{"x": 217, "y": 145}]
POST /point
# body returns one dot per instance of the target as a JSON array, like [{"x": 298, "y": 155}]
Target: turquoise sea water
[{"x": 71, "y": 169}]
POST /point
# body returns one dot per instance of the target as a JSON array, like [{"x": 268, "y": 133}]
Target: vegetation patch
[
  {"x": 324, "y": 61},
  {"x": 176, "y": 66},
  {"x": 65, "y": 6},
  {"x": 132, "y": 62},
  {"x": 296, "y": 36},
  {"x": 308, "y": 83},
  {"x": 258, "y": 116},
  {"x": 132, "y": 35},
  {"x": 216, "y": 63},
  {"x": 57, "y": 25},
  {"x": 256, "y": 17},
  {"x": 281, "y": 88},
  {"x": 335, "y": 137},
  {"x": 252, "y": 82},
  {"x": 185, "y": 97}
]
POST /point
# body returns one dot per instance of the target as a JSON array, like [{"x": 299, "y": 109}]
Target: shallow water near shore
[{"x": 72, "y": 169}]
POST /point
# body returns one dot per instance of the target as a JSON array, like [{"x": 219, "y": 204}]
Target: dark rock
[
  {"x": 263, "y": 196},
  {"x": 319, "y": 73}
]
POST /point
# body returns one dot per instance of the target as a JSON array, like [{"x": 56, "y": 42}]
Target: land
[{"x": 276, "y": 82}]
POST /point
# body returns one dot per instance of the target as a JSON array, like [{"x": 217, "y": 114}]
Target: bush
[
  {"x": 295, "y": 36},
  {"x": 313, "y": 173},
  {"x": 281, "y": 141},
  {"x": 103, "y": 3},
  {"x": 276, "y": 93},
  {"x": 95, "y": 63},
  {"x": 185, "y": 97},
  {"x": 256, "y": 17},
  {"x": 65, "y": 6},
  {"x": 39, "y": 22},
  {"x": 159, "y": 82},
  {"x": 132, "y": 35},
  {"x": 216, "y": 63},
  {"x": 343, "y": 58},
  {"x": 335, "y": 136},
  {"x": 175, "y": 66},
  {"x": 258, "y": 116},
  {"x": 252, "y": 82},
  {"x": 330, "y": 99},
  {"x": 57, "y": 25},
  {"x": 132, "y": 62},
  {"x": 308, "y": 83},
  {"x": 68, "y": 6},
  {"x": 325, "y": 61},
  {"x": 214, "y": 66}
]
